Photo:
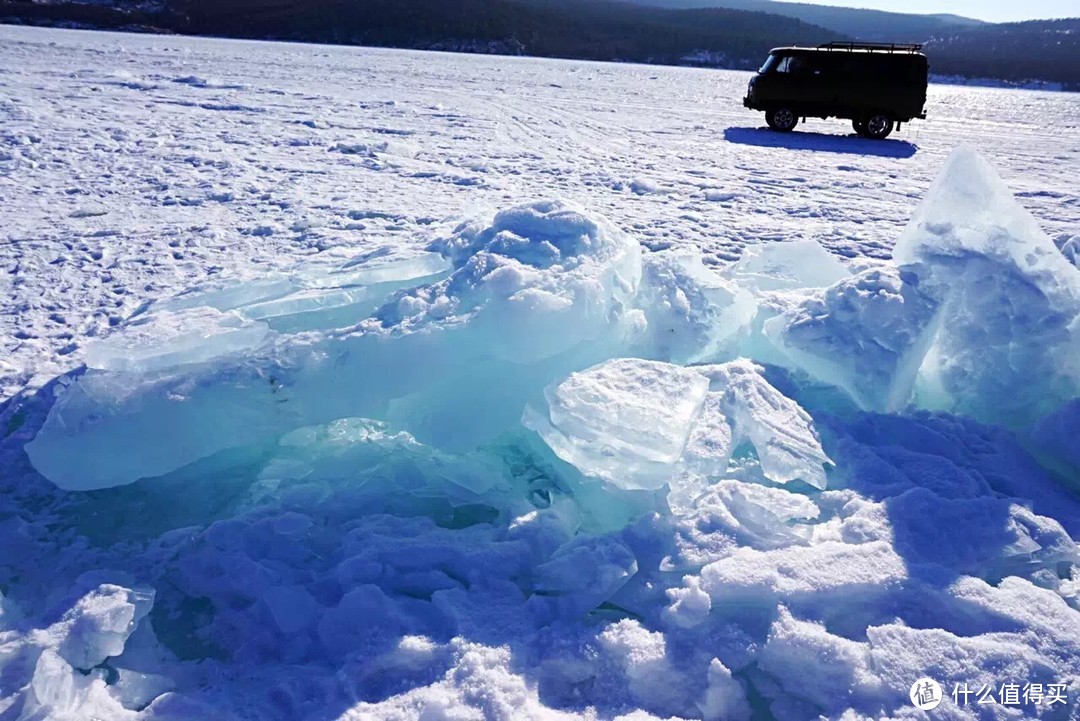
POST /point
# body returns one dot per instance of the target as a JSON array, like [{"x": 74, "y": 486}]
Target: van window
[
  {"x": 791, "y": 64},
  {"x": 770, "y": 63}
]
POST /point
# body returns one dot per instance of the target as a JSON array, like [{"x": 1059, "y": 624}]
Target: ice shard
[{"x": 1006, "y": 344}]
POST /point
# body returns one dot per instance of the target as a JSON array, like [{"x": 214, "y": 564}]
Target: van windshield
[{"x": 770, "y": 63}]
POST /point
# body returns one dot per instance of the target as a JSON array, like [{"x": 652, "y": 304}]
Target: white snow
[
  {"x": 136, "y": 167},
  {"x": 320, "y": 408}
]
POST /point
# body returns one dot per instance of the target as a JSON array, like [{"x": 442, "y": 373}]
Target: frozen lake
[
  {"x": 283, "y": 438},
  {"x": 132, "y": 166}
]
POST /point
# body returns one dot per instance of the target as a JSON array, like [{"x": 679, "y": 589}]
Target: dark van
[{"x": 875, "y": 85}]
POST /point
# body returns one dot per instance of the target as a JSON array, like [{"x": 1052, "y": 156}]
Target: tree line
[{"x": 582, "y": 29}]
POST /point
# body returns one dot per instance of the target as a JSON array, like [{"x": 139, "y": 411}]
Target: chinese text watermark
[{"x": 926, "y": 694}]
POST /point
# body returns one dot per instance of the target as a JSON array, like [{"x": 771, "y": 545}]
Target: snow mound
[
  {"x": 1071, "y": 250},
  {"x": 833, "y": 571}
]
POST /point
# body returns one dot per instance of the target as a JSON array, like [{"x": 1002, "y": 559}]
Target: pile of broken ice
[{"x": 534, "y": 470}]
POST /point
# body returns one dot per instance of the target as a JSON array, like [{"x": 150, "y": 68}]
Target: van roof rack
[{"x": 884, "y": 47}]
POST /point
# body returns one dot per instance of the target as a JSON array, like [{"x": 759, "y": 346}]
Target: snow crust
[{"x": 534, "y": 472}]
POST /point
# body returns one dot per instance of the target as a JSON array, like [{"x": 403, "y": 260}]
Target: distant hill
[
  {"x": 873, "y": 25},
  {"x": 1016, "y": 52},
  {"x": 588, "y": 29},
  {"x": 1047, "y": 50},
  {"x": 626, "y": 30},
  {"x": 594, "y": 30}
]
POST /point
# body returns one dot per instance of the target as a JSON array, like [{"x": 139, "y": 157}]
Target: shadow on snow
[{"x": 853, "y": 144}]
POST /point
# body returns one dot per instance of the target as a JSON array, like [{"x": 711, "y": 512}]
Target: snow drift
[{"x": 533, "y": 472}]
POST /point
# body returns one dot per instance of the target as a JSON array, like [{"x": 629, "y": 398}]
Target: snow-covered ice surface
[
  {"x": 354, "y": 384},
  {"x": 134, "y": 167}
]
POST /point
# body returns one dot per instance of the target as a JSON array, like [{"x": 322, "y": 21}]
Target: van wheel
[
  {"x": 859, "y": 125},
  {"x": 879, "y": 126},
  {"x": 782, "y": 119}
]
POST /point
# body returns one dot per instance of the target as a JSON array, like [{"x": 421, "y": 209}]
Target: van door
[
  {"x": 792, "y": 81},
  {"x": 825, "y": 82},
  {"x": 855, "y": 82}
]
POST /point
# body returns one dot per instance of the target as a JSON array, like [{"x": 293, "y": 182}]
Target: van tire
[
  {"x": 879, "y": 126},
  {"x": 782, "y": 120}
]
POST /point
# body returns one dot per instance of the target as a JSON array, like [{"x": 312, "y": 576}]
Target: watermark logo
[
  {"x": 1012, "y": 694},
  {"x": 926, "y": 694}
]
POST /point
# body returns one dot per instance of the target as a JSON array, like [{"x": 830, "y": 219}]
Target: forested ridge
[{"x": 585, "y": 29}]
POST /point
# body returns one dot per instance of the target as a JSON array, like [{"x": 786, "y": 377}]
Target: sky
[{"x": 992, "y": 10}]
